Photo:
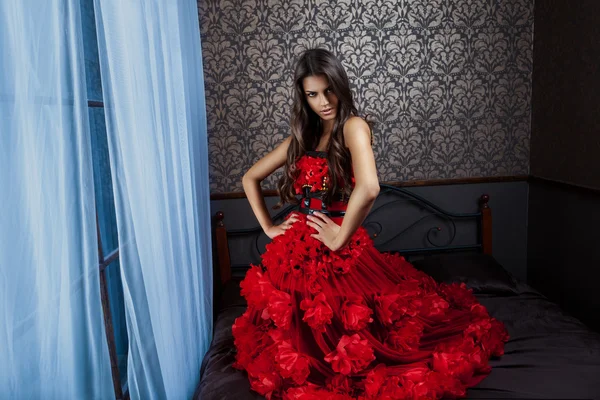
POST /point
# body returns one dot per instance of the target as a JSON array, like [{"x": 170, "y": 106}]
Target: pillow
[
  {"x": 218, "y": 378},
  {"x": 480, "y": 272}
]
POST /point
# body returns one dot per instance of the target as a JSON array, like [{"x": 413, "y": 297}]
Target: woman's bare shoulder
[
  {"x": 356, "y": 129},
  {"x": 356, "y": 122}
]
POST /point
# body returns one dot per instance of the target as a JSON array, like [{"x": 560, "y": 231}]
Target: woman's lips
[{"x": 327, "y": 112}]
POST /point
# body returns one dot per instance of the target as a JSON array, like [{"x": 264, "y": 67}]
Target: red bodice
[
  {"x": 313, "y": 172},
  {"x": 312, "y": 180}
]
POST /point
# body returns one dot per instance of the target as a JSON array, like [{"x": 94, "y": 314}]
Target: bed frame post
[
  {"x": 486, "y": 224},
  {"x": 223, "y": 258}
]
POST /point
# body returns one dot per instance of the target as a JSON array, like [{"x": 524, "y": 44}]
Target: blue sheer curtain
[
  {"x": 52, "y": 339},
  {"x": 152, "y": 78}
]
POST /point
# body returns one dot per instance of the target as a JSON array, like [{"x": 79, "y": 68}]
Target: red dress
[{"x": 356, "y": 323}]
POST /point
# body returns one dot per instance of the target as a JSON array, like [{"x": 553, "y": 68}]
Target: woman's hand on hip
[
  {"x": 280, "y": 229},
  {"x": 327, "y": 230}
]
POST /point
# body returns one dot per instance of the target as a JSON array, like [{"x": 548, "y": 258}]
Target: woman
[{"x": 328, "y": 315}]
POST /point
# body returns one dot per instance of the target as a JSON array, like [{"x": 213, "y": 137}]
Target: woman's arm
[
  {"x": 251, "y": 183},
  {"x": 357, "y": 136}
]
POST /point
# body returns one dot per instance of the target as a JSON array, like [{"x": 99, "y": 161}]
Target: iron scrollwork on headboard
[
  {"x": 258, "y": 232},
  {"x": 431, "y": 211}
]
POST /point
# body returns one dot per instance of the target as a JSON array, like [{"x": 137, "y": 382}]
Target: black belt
[
  {"x": 330, "y": 214},
  {"x": 305, "y": 201}
]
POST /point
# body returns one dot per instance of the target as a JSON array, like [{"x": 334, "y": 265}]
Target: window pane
[
  {"x": 90, "y": 49},
  {"x": 103, "y": 181},
  {"x": 103, "y": 187}
]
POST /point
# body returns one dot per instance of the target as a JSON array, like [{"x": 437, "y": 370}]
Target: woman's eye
[{"x": 312, "y": 94}]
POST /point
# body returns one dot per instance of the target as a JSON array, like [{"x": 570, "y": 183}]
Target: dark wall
[
  {"x": 508, "y": 202},
  {"x": 563, "y": 239},
  {"x": 564, "y": 248},
  {"x": 565, "y": 137}
]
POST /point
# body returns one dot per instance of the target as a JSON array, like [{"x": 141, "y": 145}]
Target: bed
[{"x": 550, "y": 355}]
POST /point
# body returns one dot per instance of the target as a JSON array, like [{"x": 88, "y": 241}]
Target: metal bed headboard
[{"x": 482, "y": 220}]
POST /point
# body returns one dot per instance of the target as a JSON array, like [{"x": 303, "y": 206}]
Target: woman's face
[{"x": 320, "y": 96}]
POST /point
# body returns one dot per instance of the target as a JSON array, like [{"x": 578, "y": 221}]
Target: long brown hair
[{"x": 306, "y": 126}]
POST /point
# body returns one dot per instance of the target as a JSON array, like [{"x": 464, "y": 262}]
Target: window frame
[{"x": 103, "y": 263}]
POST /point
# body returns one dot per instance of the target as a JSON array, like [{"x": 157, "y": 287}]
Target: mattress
[{"x": 550, "y": 354}]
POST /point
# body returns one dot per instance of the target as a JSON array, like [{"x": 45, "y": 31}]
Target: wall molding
[{"x": 413, "y": 183}]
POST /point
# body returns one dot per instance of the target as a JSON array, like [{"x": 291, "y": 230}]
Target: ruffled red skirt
[{"x": 358, "y": 324}]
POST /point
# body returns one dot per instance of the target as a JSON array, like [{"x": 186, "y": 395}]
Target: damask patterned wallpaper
[{"x": 447, "y": 82}]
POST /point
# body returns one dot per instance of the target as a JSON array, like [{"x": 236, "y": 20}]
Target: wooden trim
[
  {"x": 110, "y": 336},
  {"x": 460, "y": 181},
  {"x": 109, "y": 259},
  {"x": 108, "y": 326},
  {"x": 95, "y": 104},
  {"x": 486, "y": 224},
  {"x": 224, "y": 260},
  {"x": 426, "y": 182},
  {"x": 562, "y": 184}
]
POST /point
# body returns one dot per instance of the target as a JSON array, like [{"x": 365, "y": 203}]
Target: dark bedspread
[{"x": 550, "y": 355}]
